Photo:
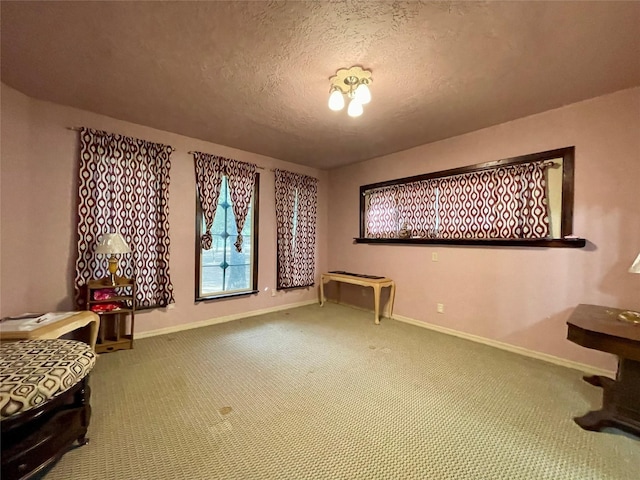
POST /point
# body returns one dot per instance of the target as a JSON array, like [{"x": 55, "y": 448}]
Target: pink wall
[
  {"x": 513, "y": 295},
  {"x": 518, "y": 296},
  {"x": 38, "y": 230}
]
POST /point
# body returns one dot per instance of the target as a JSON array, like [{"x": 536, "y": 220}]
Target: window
[
  {"x": 525, "y": 200},
  {"x": 222, "y": 270}
]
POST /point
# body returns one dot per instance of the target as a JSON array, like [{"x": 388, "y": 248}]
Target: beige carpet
[{"x": 323, "y": 393}]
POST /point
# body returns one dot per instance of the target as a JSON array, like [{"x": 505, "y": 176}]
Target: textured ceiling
[{"x": 255, "y": 75}]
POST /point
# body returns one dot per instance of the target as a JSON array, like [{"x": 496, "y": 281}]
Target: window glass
[{"x": 223, "y": 270}]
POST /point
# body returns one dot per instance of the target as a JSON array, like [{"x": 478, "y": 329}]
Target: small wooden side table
[
  {"x": 10, "y": 330},
  {"x": 597, "y": 327},
  {"x": 113, "y": 334}
]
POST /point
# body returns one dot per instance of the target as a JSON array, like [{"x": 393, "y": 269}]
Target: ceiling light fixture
[{"x": 354, "y": 83}]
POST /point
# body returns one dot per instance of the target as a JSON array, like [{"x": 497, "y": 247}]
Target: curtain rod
[
  {"x": 77, "y": 129},
  {"x": 546, "y": 163},
  {"x": 258, "y": 167}
]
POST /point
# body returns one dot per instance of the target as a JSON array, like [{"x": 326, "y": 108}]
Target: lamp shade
[
  {"x": 635, "y": 266},
  {"x": 355, "y": 108},
  {"x": 363, "y": 94},
  {"x": 336, "y": 100},
  {"x": 112, "y": 243}
]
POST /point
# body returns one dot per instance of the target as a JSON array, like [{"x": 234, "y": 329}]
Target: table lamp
[
  {"x": 631, "y": 316},
  {"x": 112, "y": 244}
]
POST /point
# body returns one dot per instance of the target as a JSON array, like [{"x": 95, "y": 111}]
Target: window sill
[
  {"x": 284, "y": 289},
  {"x": 226, "y": 295},
  {"x": 486, "y": 242}
]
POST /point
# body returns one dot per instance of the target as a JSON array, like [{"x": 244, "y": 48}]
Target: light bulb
[
  {"x": 363, "y": 94},
  {"x": 336, "y": 100},
  {"x": 355, "y": 108}
]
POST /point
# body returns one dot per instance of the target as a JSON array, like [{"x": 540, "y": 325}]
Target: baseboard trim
[
  {"x": 226, "y": 318},
  {"x": 563, "y": 362},
  {"x": 509, "y": 348}
]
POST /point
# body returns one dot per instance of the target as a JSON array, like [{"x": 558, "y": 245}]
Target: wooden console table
[
  {"x": 377, "y": 283},
  {"x": 11, "y": 330},
  {"x": 598, "y": 327}
]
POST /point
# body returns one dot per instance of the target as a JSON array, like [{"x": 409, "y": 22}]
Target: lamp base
[
  {"x": 629, "y": 317},
  {"x": 113, "y": 268}
]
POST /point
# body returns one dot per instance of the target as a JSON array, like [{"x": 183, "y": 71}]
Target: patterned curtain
[
  {"x": 296, "y": 210},
  {"x": 208, "y": 183},
  {"x": 382, "y": 213},
  {"x": 124, "y": 188},
  {"x": 241, "y": 177},
  {"x": 505, "y": 202},
  {"x": 417, "y": 207},
  {"x": 242, "y": 180},
  {"x": 411, "y": 205}
]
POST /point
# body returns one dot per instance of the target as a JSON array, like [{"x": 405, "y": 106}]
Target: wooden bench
[{"x": 377, "y": 283}]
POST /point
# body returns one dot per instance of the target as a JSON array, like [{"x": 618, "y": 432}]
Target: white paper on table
[{"x": 29, "y": 324}]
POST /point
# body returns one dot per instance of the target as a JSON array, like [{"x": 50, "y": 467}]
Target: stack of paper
[{"x": 30, "y": 321}]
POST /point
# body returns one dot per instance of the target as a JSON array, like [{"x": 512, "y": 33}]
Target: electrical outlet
[
  {"x": 440, "y": 307},
  {"x": 273, "y": 293},
  {"x": 434, "y": 257}
]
